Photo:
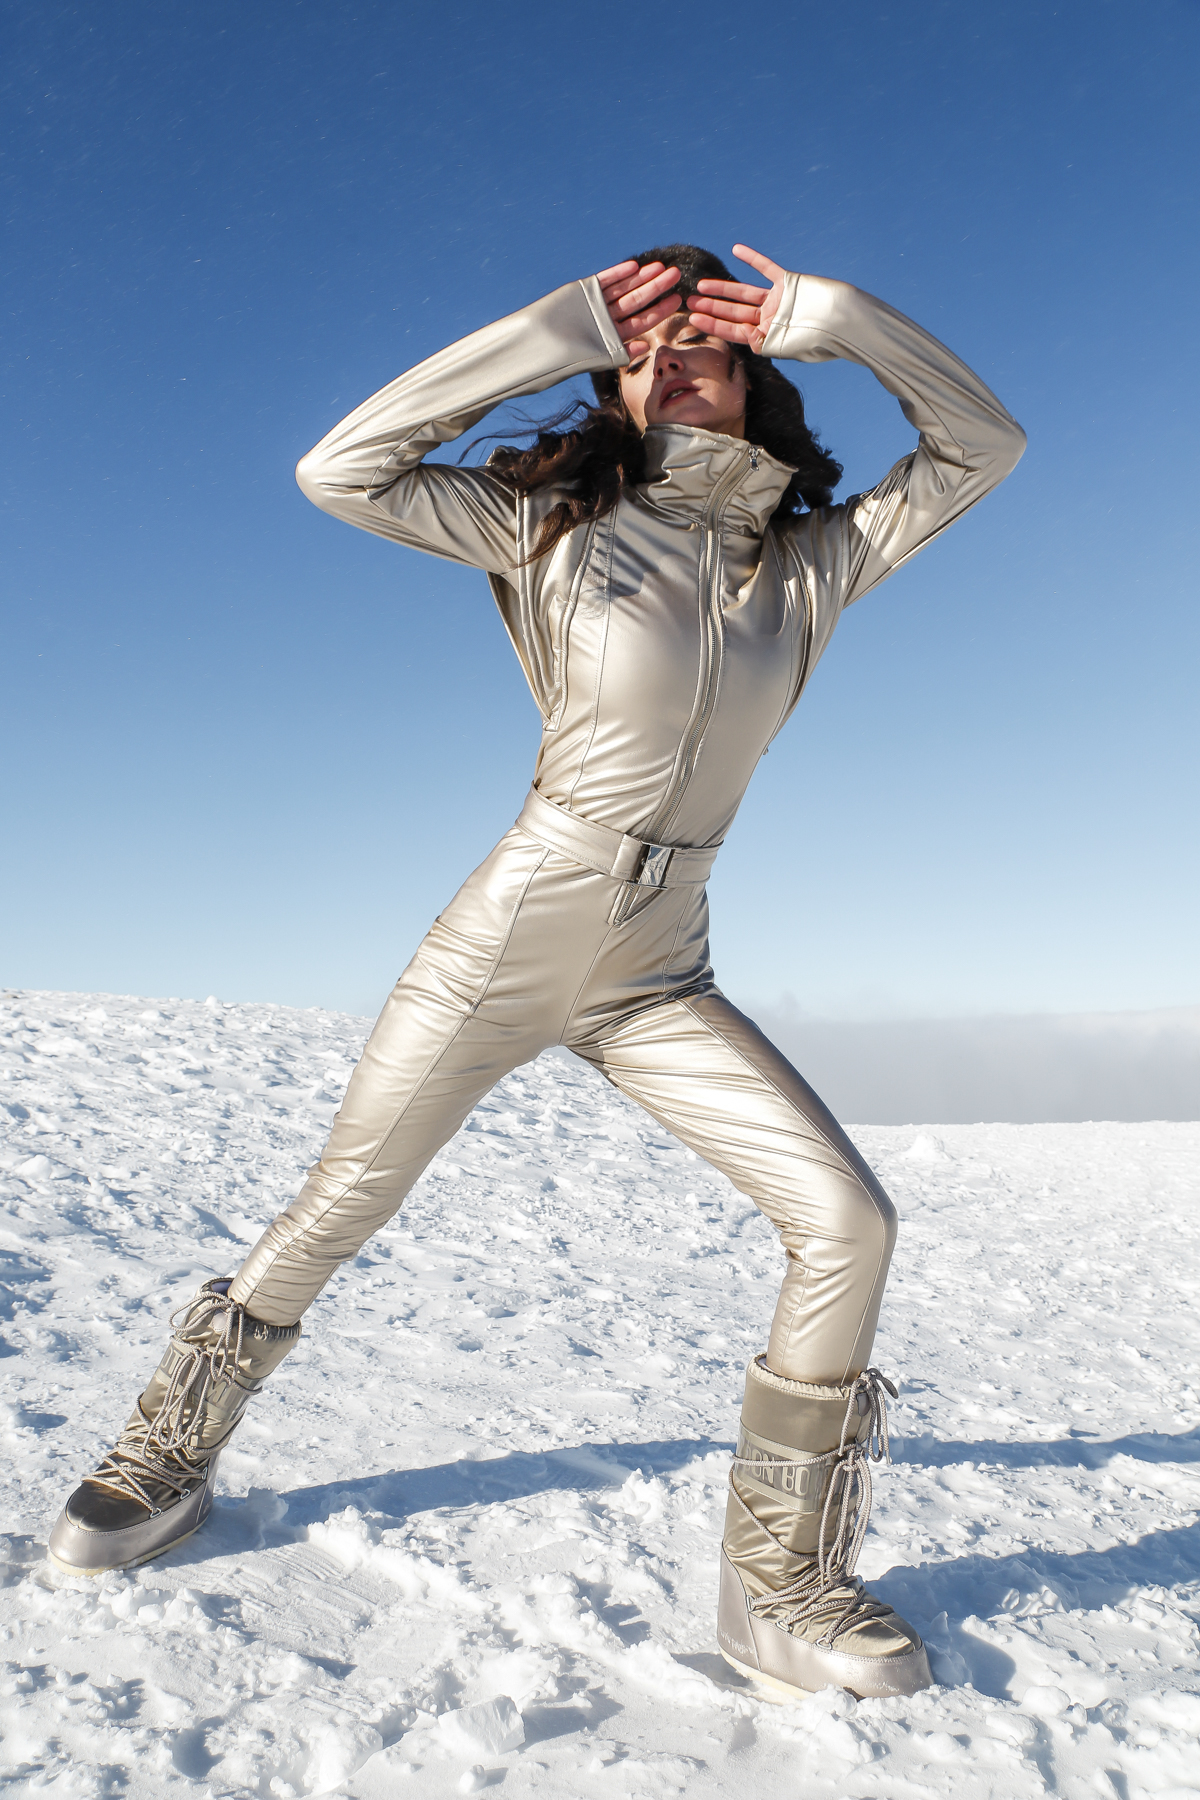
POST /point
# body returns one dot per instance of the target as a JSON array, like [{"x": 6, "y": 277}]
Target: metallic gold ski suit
[{"x": 665, "y": 646}]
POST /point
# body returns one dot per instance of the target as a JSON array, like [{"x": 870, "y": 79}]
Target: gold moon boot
[
  {"x": 156, "y": 1486},
  {"x": 792, "y": 1613}
]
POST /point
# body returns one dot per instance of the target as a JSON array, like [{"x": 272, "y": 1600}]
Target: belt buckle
[{"x": 653, "y": 864}]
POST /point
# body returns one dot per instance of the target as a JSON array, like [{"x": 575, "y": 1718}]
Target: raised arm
[
  {"x": 969, "y": 443},
  {"x": 368, "y": 470}
]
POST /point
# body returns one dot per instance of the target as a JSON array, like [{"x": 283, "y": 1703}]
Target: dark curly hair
[{"x": 593, "y": 451}]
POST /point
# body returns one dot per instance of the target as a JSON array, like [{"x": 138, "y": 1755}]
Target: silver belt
[{"x": 612, "y": 852}]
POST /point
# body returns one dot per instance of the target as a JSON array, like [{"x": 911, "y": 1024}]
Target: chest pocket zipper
[{"x": 558, "y": 666}]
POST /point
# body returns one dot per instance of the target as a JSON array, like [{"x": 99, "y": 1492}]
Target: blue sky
[{"x": 252, "y": 752}]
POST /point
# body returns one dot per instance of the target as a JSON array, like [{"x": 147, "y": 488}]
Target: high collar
[{"x": 694, "y": 474}]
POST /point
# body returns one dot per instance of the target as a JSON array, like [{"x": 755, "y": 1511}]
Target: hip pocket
[
  {"x": 463, "y": 946},
  {"x": 632, "y": 901}
]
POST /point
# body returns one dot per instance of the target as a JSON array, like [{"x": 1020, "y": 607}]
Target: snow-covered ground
[{"x": 493, "y": 1471}]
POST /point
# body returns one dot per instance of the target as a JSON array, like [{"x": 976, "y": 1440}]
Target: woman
[{"x": 669, "y": 569}]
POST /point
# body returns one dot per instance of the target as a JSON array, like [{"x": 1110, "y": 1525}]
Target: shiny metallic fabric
[
  {"x": 665, "y": 645},
  {"x": 155, "y": 1488},
  {"x": 792, "y": 1613}
]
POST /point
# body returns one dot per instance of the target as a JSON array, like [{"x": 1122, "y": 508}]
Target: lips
[{"x": 676, "y": 390}]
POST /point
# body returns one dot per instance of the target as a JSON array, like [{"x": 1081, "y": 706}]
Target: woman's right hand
[{"x": 638, "y": 299}]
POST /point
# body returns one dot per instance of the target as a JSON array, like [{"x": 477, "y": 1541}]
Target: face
[{"x": 679, "y": 376}]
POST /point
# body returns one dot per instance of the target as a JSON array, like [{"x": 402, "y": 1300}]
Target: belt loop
[{"x": 627, "y": 861}]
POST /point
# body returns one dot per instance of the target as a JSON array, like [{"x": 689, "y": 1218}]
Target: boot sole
[
  {"x": 776, "y": 1691},
  {"x": 135, "y": 1562},
  {"x": 779, "y": 1693}
]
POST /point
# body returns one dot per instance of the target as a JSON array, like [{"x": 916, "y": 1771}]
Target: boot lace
[
  {"x": 157, "y": 1453},
  {"x": 829, "y": 1584}
]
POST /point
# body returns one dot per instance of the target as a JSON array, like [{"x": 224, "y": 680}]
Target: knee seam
[{"x": 887, "y": 1215}]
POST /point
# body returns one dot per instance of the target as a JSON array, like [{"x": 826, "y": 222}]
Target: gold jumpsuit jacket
[{"x": 665, "y": 645}]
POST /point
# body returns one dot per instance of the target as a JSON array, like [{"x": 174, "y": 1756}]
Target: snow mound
[
  {"x": 474, "y": 1518},
  {"x": 925, "y": 1149},
  {"x": 485, "y": 1730}
]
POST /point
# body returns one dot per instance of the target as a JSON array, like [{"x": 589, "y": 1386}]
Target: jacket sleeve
[
  {"x": 368, "y": 470},
  {"x": 968, "y": 442}
]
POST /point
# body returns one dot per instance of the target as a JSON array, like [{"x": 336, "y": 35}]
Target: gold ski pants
[{"x": 526, "y": 956}]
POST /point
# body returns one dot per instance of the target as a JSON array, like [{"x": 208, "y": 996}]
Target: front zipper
[{"x": 712, "y": 646}]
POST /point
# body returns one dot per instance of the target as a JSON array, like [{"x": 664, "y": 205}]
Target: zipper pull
[{"x": 754, "y": 456}]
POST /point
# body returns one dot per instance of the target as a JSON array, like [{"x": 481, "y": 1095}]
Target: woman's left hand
[{"x": 734, "y": 309}]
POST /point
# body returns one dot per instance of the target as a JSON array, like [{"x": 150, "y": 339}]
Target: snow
[{"x": 467, "y": 1537}]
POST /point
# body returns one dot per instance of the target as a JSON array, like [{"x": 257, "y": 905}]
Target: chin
[{"x": 687, "y": 415}]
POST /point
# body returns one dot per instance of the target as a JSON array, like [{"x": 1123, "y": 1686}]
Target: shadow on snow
[
  {"x": 960, "y": 1587},
  {"x": 521, "y": 1474},
  {"x": 1075, "y": 1451}
]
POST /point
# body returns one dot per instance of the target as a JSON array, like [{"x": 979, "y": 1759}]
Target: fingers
[
  {"x": 607, "y": 276},
  {"x": 734, "y": 290},
  {"x": 727, "y": 309},
  {"x": 640, "y": 285},
  {"x": 632, "y": 277},
  {"x": 732, "y": 331},
  {"x": 758, "y": 261},
  {"x": 640, "y": 300},
  {"x": 627, "y": 298},
  {"x": 630, "y": 329}
]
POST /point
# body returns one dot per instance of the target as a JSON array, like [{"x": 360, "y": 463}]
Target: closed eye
[{"x": 697, "y": 337}]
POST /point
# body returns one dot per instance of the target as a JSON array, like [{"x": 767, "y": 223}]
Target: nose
[{"x": 667, "y": 361}]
